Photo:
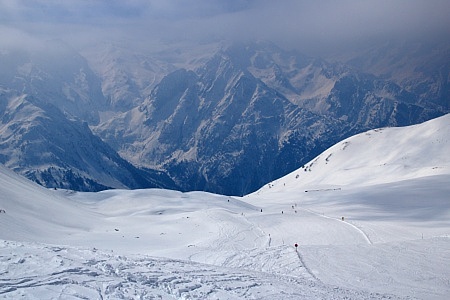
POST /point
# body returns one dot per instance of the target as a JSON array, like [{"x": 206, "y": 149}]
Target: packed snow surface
[{"x": 370, "y": 217}]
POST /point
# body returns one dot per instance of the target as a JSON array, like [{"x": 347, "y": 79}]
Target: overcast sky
[{"x": 295, "y": 23}]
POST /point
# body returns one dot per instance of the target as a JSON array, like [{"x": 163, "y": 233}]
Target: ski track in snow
[
  {"x": 306, "y": 267},
  {"x": 366, "y": 237}
]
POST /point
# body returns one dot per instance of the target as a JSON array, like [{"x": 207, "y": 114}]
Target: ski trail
[
  {"x": 361, "y": 231},
  {"x": 306, "y": 267},
  {"x": 366, "y": 237}
]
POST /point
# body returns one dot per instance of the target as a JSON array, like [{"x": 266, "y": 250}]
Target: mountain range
[
  {"x": 224, "y": 118},
  {"x": 39, "y": 141}
]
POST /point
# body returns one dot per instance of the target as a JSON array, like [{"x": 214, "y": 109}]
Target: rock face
[
  {"x": 228, "y": 121},
  {"x": 251, "y": 114},
  {"x": 38, "y": 141}
]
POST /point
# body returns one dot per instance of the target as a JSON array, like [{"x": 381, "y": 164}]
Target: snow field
[{"x": 82, "y": 273}]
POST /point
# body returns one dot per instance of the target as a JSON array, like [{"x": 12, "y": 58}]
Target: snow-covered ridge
[
  {"x": 369, "y": 236},
  {"x": 377, "y": 156}
]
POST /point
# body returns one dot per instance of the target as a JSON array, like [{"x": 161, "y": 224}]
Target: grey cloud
[{"x": 296, "y": 23}]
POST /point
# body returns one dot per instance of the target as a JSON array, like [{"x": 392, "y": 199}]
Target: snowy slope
[
  {"x": 377, "y": 156},
  {"x": 374, "y": 178},
  {"x": 33, "y": 213},
  {"x": 124, "y": 222},
  {"x": 394, "y": 241},
  {"x": 391, "y": 187}
]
